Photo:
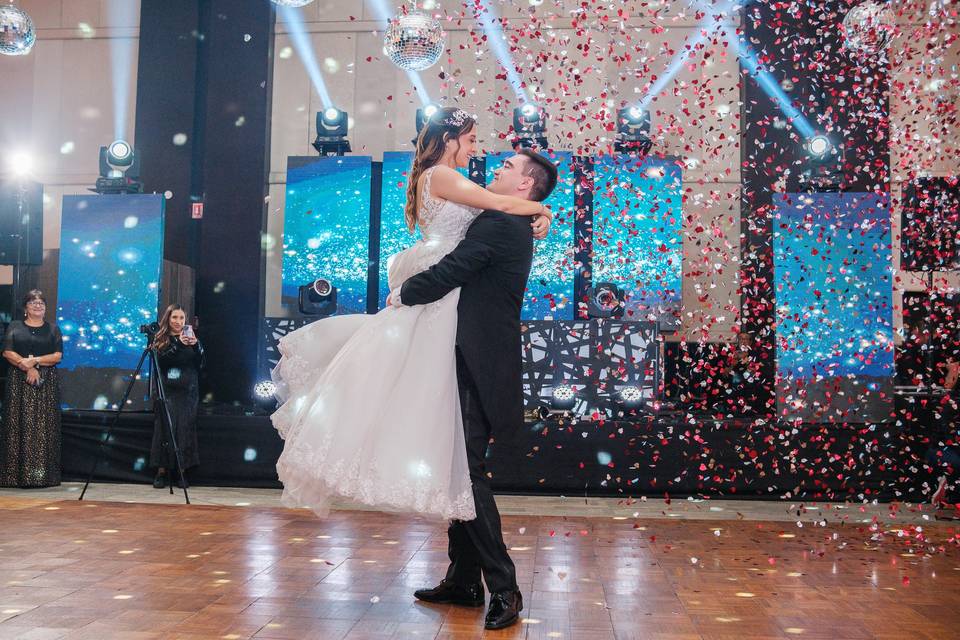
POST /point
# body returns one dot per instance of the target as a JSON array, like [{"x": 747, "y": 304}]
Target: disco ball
[
  {"x": 867, "y": 27},
  {"x": 16, "y": 31},
  {"x": 292, "y": 3},
  {"x": 414, "y": 41}
]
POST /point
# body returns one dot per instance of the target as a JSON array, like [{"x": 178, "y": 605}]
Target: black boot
[
  {"x": 449, "y": 593},
  {"x": 505, "y": 608},
  {"x": 160, "y": 481}
]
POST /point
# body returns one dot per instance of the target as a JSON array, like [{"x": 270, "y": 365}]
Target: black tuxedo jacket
[{"x": 491, "y": 265}]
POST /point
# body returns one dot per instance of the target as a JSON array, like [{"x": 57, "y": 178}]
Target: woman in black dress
[
  {"x": 30, "y": 435},
  {"x": 180, "y": 358}
]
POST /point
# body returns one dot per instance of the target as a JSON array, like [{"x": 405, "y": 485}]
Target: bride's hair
[{"x": 448, "y": 123}]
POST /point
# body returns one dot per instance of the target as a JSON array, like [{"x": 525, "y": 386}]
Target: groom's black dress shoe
[
  {"x": 449, "y": 593},
  {"x": 505, "y": 608}
]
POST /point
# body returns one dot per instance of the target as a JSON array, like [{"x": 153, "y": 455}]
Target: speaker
[
  {"x": 21, "y": 222},
  {"x": 929, "y": 225}
]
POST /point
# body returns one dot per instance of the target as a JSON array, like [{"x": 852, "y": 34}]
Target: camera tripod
[{"x": 149, "y": 355}]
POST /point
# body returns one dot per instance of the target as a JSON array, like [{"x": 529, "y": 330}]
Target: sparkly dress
[
  {"x": 30, "y": 434},
  {"x": 371, "y": 409},
  {"x": 180, "y": 369}
]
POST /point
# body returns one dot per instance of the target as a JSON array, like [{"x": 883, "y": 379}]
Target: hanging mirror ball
[
  {"x": 867, "y": 27},
  {"x": 16, "y": 31},
  {"x": 414, "y": 41}
]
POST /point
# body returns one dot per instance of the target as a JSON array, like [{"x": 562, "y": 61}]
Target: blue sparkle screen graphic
[
  {"x": 111, "y": 252},
  {"x": 637, "y": 239},
  {"x": 394, "y": 236},
  {"x": 834, "y": 292},
  {"x": 550, "y": 285},
  {"x": 326, "y": 228}
]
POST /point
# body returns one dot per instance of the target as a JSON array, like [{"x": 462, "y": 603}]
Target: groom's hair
[{"x": 543, "y": 172}]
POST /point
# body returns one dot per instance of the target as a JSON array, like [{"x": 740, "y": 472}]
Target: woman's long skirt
[
  {"x": 182, "y": 400},
  {"x": 30, "y": 433}
]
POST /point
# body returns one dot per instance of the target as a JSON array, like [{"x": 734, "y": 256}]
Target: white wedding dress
[{"x": 371, "y": 411}]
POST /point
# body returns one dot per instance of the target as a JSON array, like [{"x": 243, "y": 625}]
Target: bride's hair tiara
[{"x": 457, "y": 119}]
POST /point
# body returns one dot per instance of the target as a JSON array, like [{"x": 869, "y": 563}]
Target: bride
[{"x": 371, "y": 411}]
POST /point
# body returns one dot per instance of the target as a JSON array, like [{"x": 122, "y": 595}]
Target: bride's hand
[{"x": 541, "y": 226}]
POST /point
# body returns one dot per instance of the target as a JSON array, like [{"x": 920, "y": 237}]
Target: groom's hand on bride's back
[{"x": 541, "y": 227}]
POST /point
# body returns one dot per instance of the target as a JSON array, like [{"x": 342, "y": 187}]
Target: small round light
[
  {"x": 563, "y": 392},
  {"x": 631, "y": 394},
  {"x": 529, "y": 110},
  {"x": 819, "y": 145},
  {"x": 322, "y": 287},
  {"x": 635, "y": 113},
  {"x": 120, "y": 149},
  {"x": 429, "y": 110},
  {"x": 265, "y": 389},
  {"x": 564, "y": 398},
  {"x": 331, "y": 114}
]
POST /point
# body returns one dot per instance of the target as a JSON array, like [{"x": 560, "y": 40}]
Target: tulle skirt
[{"x": 370, "y": 409}]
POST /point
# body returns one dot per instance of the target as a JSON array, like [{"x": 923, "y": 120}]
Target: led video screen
[
  {"x": 394, "y": 236},
  {"x": 111, "y": 252},
  {"x": 637, "y": 241},
  {"x": 326, "y": 228},
  {"x": 550, "y": 286},
  {"x": 832, "y": 263}
]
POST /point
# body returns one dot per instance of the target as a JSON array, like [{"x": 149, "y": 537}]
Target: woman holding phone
[{"x": 180, "y": 358}]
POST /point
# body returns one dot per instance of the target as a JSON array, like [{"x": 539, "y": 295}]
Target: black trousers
[{"x": 476, "y": 546}]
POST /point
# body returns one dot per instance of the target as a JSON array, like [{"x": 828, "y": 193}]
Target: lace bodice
[{"x": 442, "y": 222}]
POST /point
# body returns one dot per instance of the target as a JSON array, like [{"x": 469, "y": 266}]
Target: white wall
[
  {"x": 382, "y": 102},
  {"x": 58, "y": 100}
]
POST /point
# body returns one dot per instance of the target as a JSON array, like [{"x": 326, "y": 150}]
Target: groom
[{"x": 491, "y": 265}]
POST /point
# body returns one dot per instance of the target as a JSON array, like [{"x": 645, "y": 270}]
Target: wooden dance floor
[{"x": 112, "y": 570}]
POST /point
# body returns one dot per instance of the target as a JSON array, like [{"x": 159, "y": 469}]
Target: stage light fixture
[
  {"x": 633, "y": 131},
  {"x": 529, "y": 123},
  {"x": 119, "y": 169},
  {"x": 265, "y": 389},
  {"x": 824, "y": 165},
  {"x": 332, "y": 125},
  {"x": 424, "y": 113},
  {"x": 605, "y": 300},
  {"x": 318, "y": 298},
  {"x": 563, "y": 398}
]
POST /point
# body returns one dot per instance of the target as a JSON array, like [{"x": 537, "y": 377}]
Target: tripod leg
[
  {"x": 165, "y": 416},
  {"x": 116, "y": 421}
]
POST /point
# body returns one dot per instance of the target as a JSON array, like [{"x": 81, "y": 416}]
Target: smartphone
[{"x": 188, "y": 331}]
